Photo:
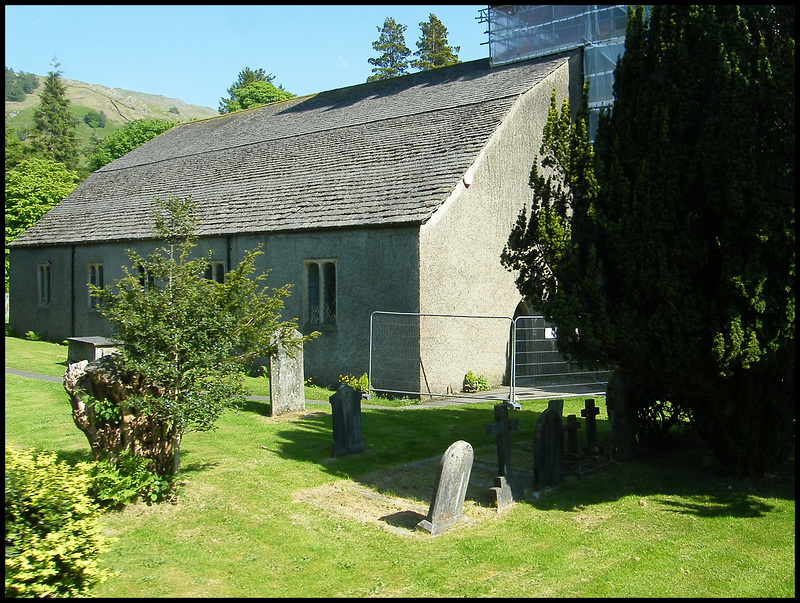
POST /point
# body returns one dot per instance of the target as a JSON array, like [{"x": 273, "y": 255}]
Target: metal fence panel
[
  {"x": 430, "y": 354},
  {"x": 539, "y": 369}
]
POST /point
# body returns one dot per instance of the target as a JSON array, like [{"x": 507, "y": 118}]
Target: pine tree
[
  {"x": 392, "y": 44},
  {"x": 432, "y": 48},
  {"x": 55, "y": 133}
]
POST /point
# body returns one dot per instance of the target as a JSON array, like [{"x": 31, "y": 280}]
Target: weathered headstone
[
  {"x": 590, "y": 412},
  {"x": 452, "y": 479},
  {"x": 346, "y": 411},
  {"x": 507, "y": 484},
  {"x": 287, "y": 381},
  {"x": 548, "y": 447},
  {"x": 571, "y": 428}
]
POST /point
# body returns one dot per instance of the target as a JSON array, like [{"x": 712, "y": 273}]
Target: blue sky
[{"x": 194, "y": 53}]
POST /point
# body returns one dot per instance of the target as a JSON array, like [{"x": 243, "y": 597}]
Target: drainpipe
[
  {"x": 72, "y": 294},
  {"x": 228, "y": 253}
]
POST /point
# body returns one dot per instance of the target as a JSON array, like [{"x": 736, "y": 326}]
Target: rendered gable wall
[{"x": 460, "y": 246}]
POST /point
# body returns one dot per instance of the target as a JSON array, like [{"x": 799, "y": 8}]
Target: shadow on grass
[
  {"x": 256, "y": 406},
  {"x": 403, "y": 448},
  {"x": 196, "y": 466},
  {"x": 73, "y": 457}
]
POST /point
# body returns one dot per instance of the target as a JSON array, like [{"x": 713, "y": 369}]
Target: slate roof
[{"x": 380, "y": 153}]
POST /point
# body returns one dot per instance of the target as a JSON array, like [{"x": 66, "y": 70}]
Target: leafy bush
[
  {"x": 474, "y": 384},
  {"x": 93, "y": 119},
  {"x": 115, "y": 486},
  {"x": 360, "y": 384},
  {"x": 52, "y": 537},
  {"x": 132, "y": 135}
]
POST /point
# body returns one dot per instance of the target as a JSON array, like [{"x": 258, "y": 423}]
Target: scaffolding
[{"x": 517, "y": 33}]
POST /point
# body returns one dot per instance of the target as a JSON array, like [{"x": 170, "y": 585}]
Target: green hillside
[{"x": 119, "y": 106}]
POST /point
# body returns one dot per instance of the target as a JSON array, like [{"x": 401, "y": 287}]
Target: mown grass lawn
[{"x": 265, "y": 511}]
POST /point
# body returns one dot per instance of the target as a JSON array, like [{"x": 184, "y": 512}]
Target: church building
[{"x": 396, "y": 196}]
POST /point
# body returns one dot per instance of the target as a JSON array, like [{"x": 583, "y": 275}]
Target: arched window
[
  {"x": 320, "y": 289},
  {"x": 96, "y": 279},
  {"x": 43, "y": 280},
  {"x": 216, "y": 271}
]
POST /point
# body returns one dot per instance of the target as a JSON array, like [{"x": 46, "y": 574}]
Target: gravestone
[
  {"x": 590, "y": 412},
  {"x": 507, "y": 484},
  {"x": 452, "y": 479},
  {"x": 346, "y": 411},
  {"x": 571, "y": 428},
  {"x": 548, "y": 447},
  {"x": 286, "y": 380}
]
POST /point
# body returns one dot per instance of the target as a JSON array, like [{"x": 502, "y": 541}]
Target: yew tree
[
  {"x": 666, "y": 249},
  {"x": 185, "y": 343}
]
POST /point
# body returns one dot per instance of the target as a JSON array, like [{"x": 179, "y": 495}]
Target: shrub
[
  {"x": 360, "y": 384},
  {"x": 52, "y": 537},
  {"x": 115, "y": 486},
  {"x": 474, "y": 384}
]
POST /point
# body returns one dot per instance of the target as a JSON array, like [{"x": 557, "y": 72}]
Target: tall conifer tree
[
  {"x": 433, "y": 50},
  {"x": 392, "y": 43},
  {"x": 55, "y": 134}
]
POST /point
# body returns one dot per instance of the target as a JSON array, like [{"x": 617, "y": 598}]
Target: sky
[{"x": 195, "y": 53}]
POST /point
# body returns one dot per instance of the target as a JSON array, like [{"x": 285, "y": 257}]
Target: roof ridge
[{"x": 109, "y": 168}]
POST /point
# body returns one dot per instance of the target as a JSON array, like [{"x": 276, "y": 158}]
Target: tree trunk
[
  {"x": 99, "y": 394},
  {"x": 621, "y": 406}
]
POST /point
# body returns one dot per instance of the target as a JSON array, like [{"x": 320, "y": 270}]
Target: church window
[
  {"x": 43, "y": 282},
  {"x": 145, "y": 278},
  {"x": 96, "y": 279},
  {"x": 320, "y": 289},
  {"x": 216, "y": 271}
]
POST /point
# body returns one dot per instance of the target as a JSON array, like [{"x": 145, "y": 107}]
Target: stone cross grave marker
[
  {"x": 286, "y": 380},
  {"x": 548, "y": 447},
  {"x": 571, "y": 428},
  {"x": 346, "y": 411},
  {"x": 452, "y": 479},
  {"x": 508, "y": 485},
  {"x": 590, "y": 412}
]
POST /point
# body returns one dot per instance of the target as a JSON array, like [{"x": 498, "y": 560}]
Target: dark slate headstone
[
  {"x": 548, "y": 447},
  {"x": 447, "y": 504},
  {"x": 571, "y": 428},
  {"x": 286, "y": 381},
  {"x": 346, "y": 410},
  {"x": 508, "y": 485},
  {"x": 590, "y": 412}
]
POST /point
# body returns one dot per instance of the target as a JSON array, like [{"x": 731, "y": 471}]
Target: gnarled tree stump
[{"x": 100, "y": 394}]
